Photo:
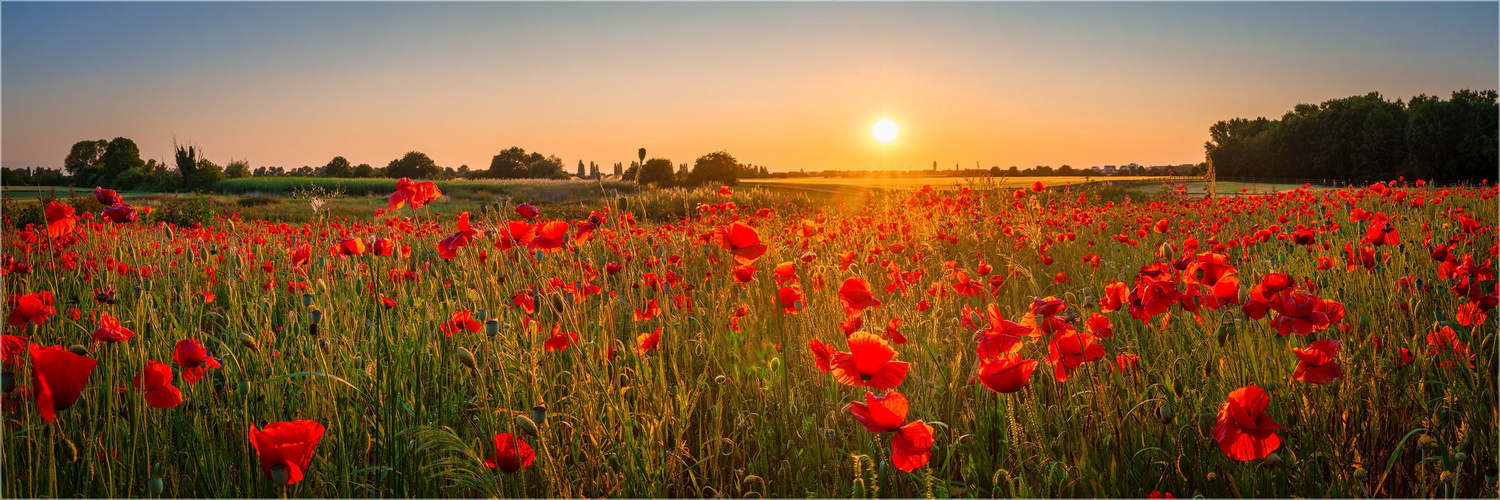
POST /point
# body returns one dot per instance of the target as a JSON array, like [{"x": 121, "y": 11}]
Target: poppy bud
[
  {"x": 78, "y": 349},
  {"x": 539, "y": 414},
  {"x": 154, "y": 486},
  {"x": 66, "y": 452},
  {"x": 1164, "y": 413},
  {"x": 137, "y": 290},
  {"x": 1427, "y": 443},
  {"x": 478, "y": 315},
  {"x": 797, "y": 305},
  {"x": 527, "y": 426},
  {"x": 317, "y": 316},
  {"x": 7, "y": 382},
  {"x": 467, "y": 358},
  {"x": 249, "y": 342},
  {"x": 620, "y": 201},
  {"x": 491, "y": 327},
  {"x": 243, "y": 386},
  {"x": 1273, "y": 460},
  {"x": 306, "y": 299},
  {"x": 1448, "y": 476},
  {"x": 325, "y": 346},
  {"x": 1360, "y": 473}
]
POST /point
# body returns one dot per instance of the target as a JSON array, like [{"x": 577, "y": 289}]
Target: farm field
[
  {"x": 936, "y": 182},
  {"x": 757, "y": 342}
]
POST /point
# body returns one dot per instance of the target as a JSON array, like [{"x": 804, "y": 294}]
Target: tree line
[
  {"x": 1365, "y": 138},
  {"x": 117, "y": 164}
]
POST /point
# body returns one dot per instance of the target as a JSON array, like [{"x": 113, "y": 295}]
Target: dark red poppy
[
  {"x": 869, "y": 363},
  {"x": 11, "y": 347},
  {"x": 458, "y": 322},
  {"x": 528, "y": 211},
  {"x": 107, "y": 197},
  {"x": 193, "y": 359},
  {"x": 1445, "y": 342},
  {"x": 156, "y": 380},
  {"x": 880, "y": 414},
  {"x": 1244, "y": 431},
  {"x": 286, "y": 448},
  {"x": 121, "y": 214},
  {"x": 856, "y": 296},
  {"x": 32, "y": 307},
  {"x": 58, "y": 377},
  {"x": 911, "y": 447},
  {"x": 1007, "y": 372},
  {"x": 1316, "y": 364},
  {"x": 823, "y": 353},
  {"x": 383, "y": 247},
  {"x": 110, "y": 330},
  {"x": 511, "y": 454}
]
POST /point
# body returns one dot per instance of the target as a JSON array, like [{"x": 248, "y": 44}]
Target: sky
[{"x": 791, "y": 86}]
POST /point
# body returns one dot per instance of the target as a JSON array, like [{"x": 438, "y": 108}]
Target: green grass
[{"x": 717, "y": 412}]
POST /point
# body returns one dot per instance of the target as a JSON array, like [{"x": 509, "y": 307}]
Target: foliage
[
  {"x": 237, "y": 169},
  {"x": 656, "y": 171},
  {"x": 512, "y": 163},
  {"x": 184, "y": 211},
  {"x": 338, "y": 167},
  {"x": 414, "y": 164},
  {"x": 717, "y": 168},
  {"x": 1365, "y": 137}
]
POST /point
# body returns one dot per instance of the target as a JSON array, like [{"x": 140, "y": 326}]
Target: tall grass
[{"x": 716, "y": 412}]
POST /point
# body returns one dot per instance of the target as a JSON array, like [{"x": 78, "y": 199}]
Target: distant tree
[
  {"x": 581, "y": 171},
  {"x": 715, "y": 168},
  {"x": 512, "y": 163},
  {"x": 619, "y": 168},
  {"x": 338, "y": 167},
  {"x": 996, "y": 172},
  {"x": 547, "y": 168},
  {"x": 206, "y": 174},
  {"x": 1065, "y": 170},
  {"x": 120, "y": 154},
  {"x": 186, "y": 159},
  {"x": 656, "y": 171},
  {"x": 85, "y": 154},
  {"x": 463, "y": 171},
  {"x": 237, "y": 169},
  {"x": 364, "y": 170},
  {"x": 415, "y": 165}
]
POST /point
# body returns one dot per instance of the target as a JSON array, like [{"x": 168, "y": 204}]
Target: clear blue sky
[{"x": 790, "y": 86}]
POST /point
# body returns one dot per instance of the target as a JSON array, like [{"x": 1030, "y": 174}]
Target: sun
[{"x": 884, "y": 130}]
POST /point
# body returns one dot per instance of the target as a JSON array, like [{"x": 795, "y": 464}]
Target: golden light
[{"x": 884, "y": 130}]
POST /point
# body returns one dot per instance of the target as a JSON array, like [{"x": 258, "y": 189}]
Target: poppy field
[{"x": 972, "y": 341}]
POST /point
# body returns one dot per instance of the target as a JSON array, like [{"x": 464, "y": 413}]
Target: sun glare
[{"x": 884, "y": 130}]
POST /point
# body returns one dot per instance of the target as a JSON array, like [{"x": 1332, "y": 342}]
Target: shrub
[{"x": 185, "y": 211}]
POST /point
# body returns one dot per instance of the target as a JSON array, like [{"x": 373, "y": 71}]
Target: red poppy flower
[
  {"x": 347, "y": 247},
  {"x": 1006, "y": 373},
  {"x": 193, "y": 358},
  {"x": 108, "y": 197},
  {"x": 448, "y": 247},
  {"x": 550, "y": 236},
  {"x": 1116, "y": 295},
  {"x": 1315, "y": 364},
  {"x": 1445, "y": 341},
  {"x": 648, "y": 312},
  {"x": 647, "y": 342},
  {"x": 301, "y": 255},
  {"x": 383, "y": 247},
  {"x": 559, "y": 341},
  {"x": 880, "y": 414},
  {"x": 121, "y": 214},
  {"x": 1127, "y": 362},
  {"x": 1070, "y": 349},
  {"x": 744, "y": 274},
  {"x": 824, "y": 354},
  {"x": 790, "y": 297},
  {"x": 32, "y": 307},
  {"x": 387, "y": 302},
  {"x": 419, "y": 193},
  {"x": 58, "y": 377},
  {"x": 1301, "y": 314},
  {"x": 893, "y": 332},
  {"x": 1154, "y": 495},
  {"x": 856, "y": 295},
  {"x": 528, "y": 211},
  {"x": 911, "y": 447},
  {"x": 1244, "y": 431},
  {"x": 511, "y": 454},
  {"x": 11, "y": 347},
  {"x": 1099, "y": 325},
  {"x": 868, "y": 363},
  {"x": 60, "y": 219},
  {"x": 110, "y": 330},
  {"x": 286, "y": 448},
  {"x": 785, "y": 272},
  {"x": 743, "y": 242},
  {"x": 1037, "y": 187},
  {"x": 160, "y": 393},
  {"x": 460, "y": 321},
  {"x": 525, "y": 301}
]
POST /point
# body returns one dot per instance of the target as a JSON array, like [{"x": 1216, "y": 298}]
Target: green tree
[
  {"x": 187, "y": 163},
  {"x": 362, "y": 171},
  {"x": 206, "y": 174},
  {"x": 415, "y": 165},
  {"x": 120, "y": 155},
  {"x": 338, "y": 167},
  {"x": 513, "y": 163},
  {"x": 547, "y": 168},
  {"x": 656, "y": 171},
  {"x": 85, "y": 154},
  {"x": 237, "y": 169},
  {"x": 715, "y": 168}
]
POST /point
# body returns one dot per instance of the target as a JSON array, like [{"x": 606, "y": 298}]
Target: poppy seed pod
[
  {"x": 491, "y": 327},
  {"x": 154, "y": 485},
  {"x": 479, "y": 315},
  {"x": 249, "y": 342},
  {"x": 243, "y": 386},
  {"x": 467, "y": 358},
  {"x": 78, "y": 349},
  {"x": 1427, "y": 443},
  {"x": 317, "y": 316},
  {"x": 539, "y": 414},
  {"x": 1360, "y": 473},
  {"x": 306, "y": 299},
  {"x": 1164, "y": 413}
]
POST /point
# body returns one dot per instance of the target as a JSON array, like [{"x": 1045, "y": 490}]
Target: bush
[
  {"x": 19, "y": 214},
  {"x": 185, "y": 211}
]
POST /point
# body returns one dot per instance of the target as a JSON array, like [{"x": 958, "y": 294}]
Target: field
[{"x": 760, "y": 341}]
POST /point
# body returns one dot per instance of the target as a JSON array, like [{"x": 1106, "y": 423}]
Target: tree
[
  {"x": 120, "y": 154},
  {"x": 581, "y": 172},
  {"x": 512, "y": 163},
  {"x": 237, "y": 169},
  {"x": 415, "y": 165},
  {"x": 996, "y": 172},
  {"x": 715, "y": 168},
  {"x": 187, "y": 163},
  {"x": 547, "y": 168},
  {"x": 657, "y": 171},
  {"x": 363, "y": 170},
  {"x": 338, "y": 167},
  {"x": 206, "y": 174},
  {"x": 85, "y": 154}
]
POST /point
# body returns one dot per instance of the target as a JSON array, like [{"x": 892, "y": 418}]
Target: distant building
[
  {"x": 1109, "y": 170},
  {"x": 1095, "y": 169}
]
